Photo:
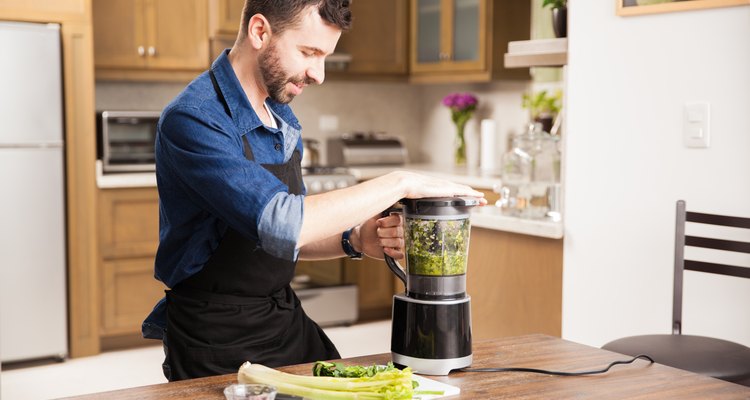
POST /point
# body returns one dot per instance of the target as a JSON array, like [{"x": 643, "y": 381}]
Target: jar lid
[{"x": 457, "y": 206}]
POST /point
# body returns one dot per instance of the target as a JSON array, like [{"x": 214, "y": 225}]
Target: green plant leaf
[{"x": 555, "y": 3}]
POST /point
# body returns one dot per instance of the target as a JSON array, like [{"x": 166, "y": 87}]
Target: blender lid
[{"x": 439, "y": 205}]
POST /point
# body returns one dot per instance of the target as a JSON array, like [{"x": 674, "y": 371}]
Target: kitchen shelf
[{"x": 537, "y": 53}]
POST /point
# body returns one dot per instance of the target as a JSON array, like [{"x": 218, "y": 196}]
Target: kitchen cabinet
[
  {"x": 377, "y": 42},
  {"x": 465, "y": 40},
  {"x": 44, "y": 10},
  {"x": 128, "y": 238},
  {"x": 376, "y": 287},
  {"x": 224, "y": 21},
  {"x": 515, "y": 284},
  {"x": 225, "y": 17},
  {"x": 150, "y": 38}
]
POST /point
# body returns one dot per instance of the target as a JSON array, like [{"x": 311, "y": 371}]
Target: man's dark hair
[{"x": 285, "y": 14}]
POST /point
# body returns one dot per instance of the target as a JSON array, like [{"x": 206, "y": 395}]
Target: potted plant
[
  {"x": 543, "y": 107},
  {"x": 559, "y": 16}
]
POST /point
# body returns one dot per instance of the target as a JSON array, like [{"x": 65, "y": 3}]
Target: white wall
[
  {"x": 627, "y": 79},
  {"x": 500, "y": 101}
]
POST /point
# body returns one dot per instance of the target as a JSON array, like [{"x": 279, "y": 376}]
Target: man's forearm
[
  {"x": 329, "y": 247},
  {"x": 328, "y": 214}
]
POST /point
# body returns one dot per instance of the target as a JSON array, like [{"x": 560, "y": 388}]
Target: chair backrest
[{"x": 680, "y": 263}]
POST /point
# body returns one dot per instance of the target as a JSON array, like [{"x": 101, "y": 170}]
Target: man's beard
[{"x": 275, "y": 78}]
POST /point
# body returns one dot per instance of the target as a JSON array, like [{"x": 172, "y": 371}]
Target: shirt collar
[{"x": 237, "y": 102}]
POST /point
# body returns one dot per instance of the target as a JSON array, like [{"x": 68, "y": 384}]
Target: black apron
[{"x": 240, "y": 307}]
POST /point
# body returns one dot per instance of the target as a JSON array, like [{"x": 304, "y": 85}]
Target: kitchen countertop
[
  {"x": 475, "y": 178},
  {"x": 123, "y": 180},
  {"x": 488, "y": 217},
  {"x": 637, "y": 380}
]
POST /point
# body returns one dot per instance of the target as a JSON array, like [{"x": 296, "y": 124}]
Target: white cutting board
[{"x": 429, "y": 384}]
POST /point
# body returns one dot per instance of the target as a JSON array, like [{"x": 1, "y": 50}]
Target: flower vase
[{"x": 460, "y": 153}]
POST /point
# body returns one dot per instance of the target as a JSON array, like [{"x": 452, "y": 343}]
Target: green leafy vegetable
[
  {"x": 387, "y": 383},
  {"x": 339, "y": 370}
]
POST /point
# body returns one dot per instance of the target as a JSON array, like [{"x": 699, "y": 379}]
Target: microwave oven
[{"x": 126, "y": 140}]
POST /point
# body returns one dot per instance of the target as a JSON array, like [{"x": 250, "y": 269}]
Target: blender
[{"x": 431, "y": 321}]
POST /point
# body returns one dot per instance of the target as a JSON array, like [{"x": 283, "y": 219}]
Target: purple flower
[
  {"x": 460, "y": 102},
  {"x": 462, "y": 105}
]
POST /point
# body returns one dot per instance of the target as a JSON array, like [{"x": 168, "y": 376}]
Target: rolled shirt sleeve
[{"x": 280, "y": 225}]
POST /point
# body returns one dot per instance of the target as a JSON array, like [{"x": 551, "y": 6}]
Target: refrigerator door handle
[{"x": 43, "y": 145}]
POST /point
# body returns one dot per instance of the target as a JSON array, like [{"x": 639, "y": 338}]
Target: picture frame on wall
[{"x": 641, "y": 7}]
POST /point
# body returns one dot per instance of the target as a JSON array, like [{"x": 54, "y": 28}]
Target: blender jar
[
  {"x": 436, "y": 236},
  {"x": 436, "y": 247}
]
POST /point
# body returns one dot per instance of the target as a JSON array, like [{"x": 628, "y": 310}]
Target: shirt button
[{"x": 277, "y": 146}]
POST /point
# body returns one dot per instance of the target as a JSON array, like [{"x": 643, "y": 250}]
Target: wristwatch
[{"x": 346, "y": 244}]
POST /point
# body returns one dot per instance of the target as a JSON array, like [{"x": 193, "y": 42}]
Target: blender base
[
  {"x": 432, "y": 337},
  {"x": 431, "y": 367}
]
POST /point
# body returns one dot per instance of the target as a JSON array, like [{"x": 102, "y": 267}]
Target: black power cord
[{"x": 561, "y": 373}]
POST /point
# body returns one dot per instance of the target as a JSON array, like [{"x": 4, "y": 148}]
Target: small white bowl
[{"x": 242, "y": 391}]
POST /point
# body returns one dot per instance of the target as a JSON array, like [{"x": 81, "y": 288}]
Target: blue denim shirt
[{"x": 206, "y": 184}]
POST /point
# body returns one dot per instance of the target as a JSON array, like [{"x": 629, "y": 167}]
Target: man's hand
[{"x": 382, "y": 235}]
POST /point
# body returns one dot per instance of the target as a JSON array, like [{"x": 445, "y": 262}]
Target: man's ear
[{"x": 258, "y": 31}]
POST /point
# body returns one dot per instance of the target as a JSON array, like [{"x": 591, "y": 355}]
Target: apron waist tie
[{"x": 283, "y": 297}]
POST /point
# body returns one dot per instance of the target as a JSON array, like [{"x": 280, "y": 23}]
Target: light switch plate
[{"x": 696, "y": 125}]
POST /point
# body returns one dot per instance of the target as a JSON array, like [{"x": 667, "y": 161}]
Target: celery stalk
[{"x": 391, "y": 385}]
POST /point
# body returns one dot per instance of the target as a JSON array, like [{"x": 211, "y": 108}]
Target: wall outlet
[{"x": 328, "y": 123}]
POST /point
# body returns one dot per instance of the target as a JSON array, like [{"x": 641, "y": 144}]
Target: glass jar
[{"x": 530, "y": 176}]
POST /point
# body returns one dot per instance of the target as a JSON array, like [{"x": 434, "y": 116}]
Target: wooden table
[{"x": 639, "y": 380}]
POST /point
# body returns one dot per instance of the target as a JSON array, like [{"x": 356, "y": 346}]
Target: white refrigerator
[{"x": 33, "y": 300}]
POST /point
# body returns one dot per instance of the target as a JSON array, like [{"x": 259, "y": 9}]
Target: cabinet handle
[
  {"x": 151, "y": 51},
  {"x": 445, "y": 57},
  {"x": 141, "y": 51}
]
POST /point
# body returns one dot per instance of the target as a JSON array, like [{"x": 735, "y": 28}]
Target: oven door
[{"x": 325, "y": 295}]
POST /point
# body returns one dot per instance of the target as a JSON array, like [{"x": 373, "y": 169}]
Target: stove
[{"x": 324, "y": 179}]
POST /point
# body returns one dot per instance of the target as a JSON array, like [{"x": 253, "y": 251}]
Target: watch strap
[{"x": 346, "y": 244}]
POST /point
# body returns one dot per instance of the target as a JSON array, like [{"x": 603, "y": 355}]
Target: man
[{"x": 234, "y": 217}]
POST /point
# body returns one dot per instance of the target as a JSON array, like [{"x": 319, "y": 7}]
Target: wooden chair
[{"x": 703, "y": 355}]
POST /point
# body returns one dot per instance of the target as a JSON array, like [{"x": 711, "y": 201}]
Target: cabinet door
[
  {"x": 41, "y": 10},
  {"x": 375, "y": 284},
  {"x": 378, "y": 39},
  {"x": 177, "y": 34},
  {"x": 515, "y": 284},
  {"x": 468, "y": 35},
  {"x": 322, "y": 272},
  {"x": 119, "y": 40},
  {"x": 449, "y": 35},
  {"x": 427, "y": 25},
  {"x": 129, "y": 222},
  {"x": 226, "y": 16},
  {"x": 129, "y": 293}
]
